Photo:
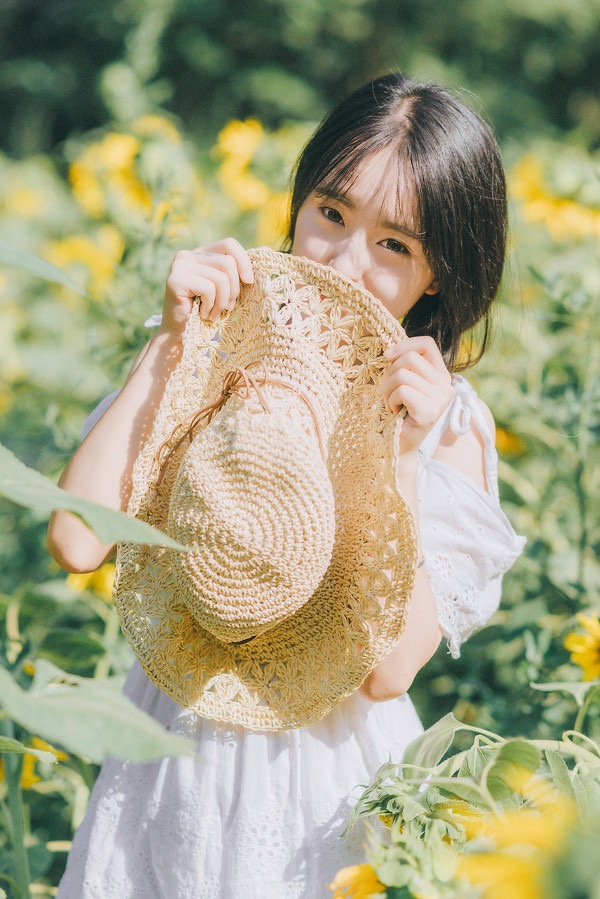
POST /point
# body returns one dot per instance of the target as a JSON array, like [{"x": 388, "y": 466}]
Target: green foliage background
[
  {"x": 535, "y": 65},
  {"x": 125, "y": 137}
]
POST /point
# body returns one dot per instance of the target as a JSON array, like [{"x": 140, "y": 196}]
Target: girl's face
[{"x": 362, "y": 235}]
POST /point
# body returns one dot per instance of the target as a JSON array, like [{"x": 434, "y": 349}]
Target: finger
[
  {"x": 207, "y": 300},
  {"x": 411, "y": 378},
  {"x": 404, "y": 378},
  {"x": 231, "y": 247},
  {"x": 219, "y": 291},
  {"x": 413, "y": 361},
  {"x": 408, "y": 396},
  {"x": 226, "y": 265},
  {"x": 424, "y": 346},
  {"x": 212, "y": 289}
]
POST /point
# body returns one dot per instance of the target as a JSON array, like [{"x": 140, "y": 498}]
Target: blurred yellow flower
[
  {"x": 99, "y": 255},
  {"x": 562, "y": 217},
  {"x": 247, "y": 191},
  {"x": 156, "y": 126},
  {"x": 463, "y": 815},
  {"x": 87, "y": 188},
  {"x": 501, "y": 876},
  {"x": 6, "y": 400},
  {"x": 466, "y": 352},
  {"x": 105, "y": 170},
  {"x": 527, "y": 828},
  {"x": 28, "y": 775},
  {"x": 356, "y": 882},
  {"x": 38, "y": 743},
  {"x": 24, "y": 201},
  {"x": 585, "y": 648},
  {"x": 116, "y": 152},
  {"x": 521, "y": 843},
  {"x": 236, "y": 145},
  {"x": 99, "y": 582},
  {"x": 273, "y": 219},
  {"x": 509, "y": 443},
  {"x": 527, "y": 180},
  {"x": 240, "y": 140}
]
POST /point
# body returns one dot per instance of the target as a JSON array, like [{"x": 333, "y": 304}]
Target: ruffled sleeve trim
[{"x": 468, "y": 542}]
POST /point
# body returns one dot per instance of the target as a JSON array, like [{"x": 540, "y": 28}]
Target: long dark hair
[{"x": 460, "y": 192}]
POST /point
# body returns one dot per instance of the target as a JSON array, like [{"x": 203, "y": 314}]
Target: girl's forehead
[{"x": 382, "y": 180}]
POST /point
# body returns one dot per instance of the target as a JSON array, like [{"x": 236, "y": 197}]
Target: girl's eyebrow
[
  {"x": 403, "y": 229},
  {"x": 328, "y": 193}
]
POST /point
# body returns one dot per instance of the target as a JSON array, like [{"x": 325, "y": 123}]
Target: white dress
[{"x": 258, "y": 815}]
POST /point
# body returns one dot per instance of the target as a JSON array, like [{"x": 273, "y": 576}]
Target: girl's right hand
[{"x": 213, "y": 273}]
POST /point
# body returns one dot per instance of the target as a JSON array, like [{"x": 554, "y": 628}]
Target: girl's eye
[
  {"x": 394, "y": 245},
  {"x": 332, "y": 215}
]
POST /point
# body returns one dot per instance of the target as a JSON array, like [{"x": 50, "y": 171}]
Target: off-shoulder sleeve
[{"x": 468, "y": 542}]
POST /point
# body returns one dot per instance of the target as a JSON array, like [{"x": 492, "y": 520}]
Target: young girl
[{"x": 402, "y": 190}]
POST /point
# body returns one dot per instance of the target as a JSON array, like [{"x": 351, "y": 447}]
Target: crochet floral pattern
[{"x": 321, "y": 338}]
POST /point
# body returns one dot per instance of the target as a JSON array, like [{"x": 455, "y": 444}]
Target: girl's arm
[
  {"x": 422, "y": 635},
  {"x": 101, "y": 469},
  {"x": 418, "y": 378}
]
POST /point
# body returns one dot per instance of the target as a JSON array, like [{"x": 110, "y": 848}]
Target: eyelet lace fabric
[
  {"x": 258, "y": 815},
  {"x": 254, "y": 815}
]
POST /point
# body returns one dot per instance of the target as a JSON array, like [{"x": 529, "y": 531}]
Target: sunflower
[
  {"x": 357, "y": 882},
  {"x": 585, "y": 648}
]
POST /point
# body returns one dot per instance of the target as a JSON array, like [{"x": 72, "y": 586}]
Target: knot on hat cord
[{"x": 241, "y": 381}]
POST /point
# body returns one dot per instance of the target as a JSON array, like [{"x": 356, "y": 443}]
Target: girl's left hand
[{"x": 418, "y": 379}]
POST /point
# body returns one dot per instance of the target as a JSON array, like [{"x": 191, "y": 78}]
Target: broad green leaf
[
  {"x": 587, "y": 793},
  {"x": 411, "y": 809},
  {"x": 46, "y": 672},
  {"x": 444, "y": 860},
  {"x": 29, "y": 488},
  {"x": 88, "y": 717},
  {"x": 35, "y": 265},
  {"x": 463, "y": 788},
  {"x": 7, "y": 744},
  {"x": 475, "y": 760},
  {"x": 40, "y": 859},
  {"x": 428, "y": 749},
  {"x": 71, "y": 649},
  {"x": 505, "y": 774},
  {"x": 560, "y": 772},
  {"x": 452, "y": 765}
]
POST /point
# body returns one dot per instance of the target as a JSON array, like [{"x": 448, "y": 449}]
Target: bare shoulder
[{"x": 465, "y": 451}]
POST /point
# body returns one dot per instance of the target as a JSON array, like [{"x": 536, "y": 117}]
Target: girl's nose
[{"x": 349, "y": 259}]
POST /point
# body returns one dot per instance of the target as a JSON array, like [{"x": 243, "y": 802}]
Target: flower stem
[
  {"x": 12, "y": 768},
  {"x": 566, "y": 747},
  {"x": 584, "y": 708}
]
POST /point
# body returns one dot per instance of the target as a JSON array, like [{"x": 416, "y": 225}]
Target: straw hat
[{"x": 273, "y": 457}]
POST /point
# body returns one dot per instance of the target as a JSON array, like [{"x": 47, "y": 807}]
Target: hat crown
[{"x": 254, "y": 499}]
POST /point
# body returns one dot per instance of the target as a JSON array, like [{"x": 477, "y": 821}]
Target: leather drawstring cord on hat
[{"x": 237, "y": 380}]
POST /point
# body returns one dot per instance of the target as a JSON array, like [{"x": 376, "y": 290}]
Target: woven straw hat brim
[{"x": 320, "y": 333}]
